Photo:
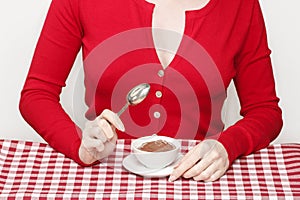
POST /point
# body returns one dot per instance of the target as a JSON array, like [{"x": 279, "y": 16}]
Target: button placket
[
  {"x": 156, "y": 114},
  {"x": 159, "y": 93},
  {"x": 161, "y": 73}
]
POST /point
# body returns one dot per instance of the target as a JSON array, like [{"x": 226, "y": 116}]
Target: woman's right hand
[{"x": 99, "y": 137}]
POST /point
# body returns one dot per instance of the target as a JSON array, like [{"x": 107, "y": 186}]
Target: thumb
[{"x": 113, "y": 118}]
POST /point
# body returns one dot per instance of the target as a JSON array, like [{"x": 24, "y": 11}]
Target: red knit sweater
[{"x": 224, "y": 41}]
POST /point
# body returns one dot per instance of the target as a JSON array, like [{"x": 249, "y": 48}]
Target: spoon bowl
[{"x": 135, "y": 96}]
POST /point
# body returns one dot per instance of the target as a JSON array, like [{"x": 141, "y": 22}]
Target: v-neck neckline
[
  {"x": 194, "y": 13},
  {"x": 147, "y": 6}
]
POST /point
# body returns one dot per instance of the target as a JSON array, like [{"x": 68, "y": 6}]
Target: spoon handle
[{"x": 123, "y": 109}]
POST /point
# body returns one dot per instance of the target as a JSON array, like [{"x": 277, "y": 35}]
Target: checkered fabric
[{"x": 30, "y": 170}]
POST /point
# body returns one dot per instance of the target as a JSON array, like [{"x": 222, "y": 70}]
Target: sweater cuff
[{"x": 236, "y": 142}]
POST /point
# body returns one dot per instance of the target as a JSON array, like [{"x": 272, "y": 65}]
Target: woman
[{"x": 195, "y": 49}]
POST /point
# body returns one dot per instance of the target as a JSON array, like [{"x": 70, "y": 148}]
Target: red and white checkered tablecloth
[{"x": 35, "y": 171}]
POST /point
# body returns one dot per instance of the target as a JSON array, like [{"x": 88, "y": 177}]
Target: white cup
[{"x": 155, "y": 160}]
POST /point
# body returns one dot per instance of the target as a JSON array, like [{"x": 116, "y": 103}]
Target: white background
[{"x": 21, "y": 22}]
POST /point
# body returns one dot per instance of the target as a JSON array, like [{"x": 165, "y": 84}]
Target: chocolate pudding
[{"x": 157, "y": 146}]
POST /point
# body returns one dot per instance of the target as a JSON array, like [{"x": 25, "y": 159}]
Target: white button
[
  {"x": 158, "y": 94},
  {"x": 161, "y": 73},
  {"x": 157, "y": 115}
]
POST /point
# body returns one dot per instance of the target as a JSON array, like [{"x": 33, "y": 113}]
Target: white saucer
[{"x": 133, "y": 165}]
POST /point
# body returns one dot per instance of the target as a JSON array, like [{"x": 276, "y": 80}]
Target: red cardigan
[{"x": 224, "y": 41}]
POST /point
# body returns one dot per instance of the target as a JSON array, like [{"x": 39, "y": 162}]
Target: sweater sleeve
[
  {"x": 56, "y": 50},
  {"x": 254, "y": 81}
]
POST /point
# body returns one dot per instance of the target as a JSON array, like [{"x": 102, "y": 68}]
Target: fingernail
[
  {"x": 172, "y": 178},
  {"x": 176, "y": 165},
  {"x": 120, "y": 125}
]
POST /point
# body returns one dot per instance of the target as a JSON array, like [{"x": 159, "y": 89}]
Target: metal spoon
[{"x": 135, "y": 96}]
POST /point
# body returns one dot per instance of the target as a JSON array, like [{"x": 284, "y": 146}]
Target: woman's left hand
[{"x": 207, "y": 161}]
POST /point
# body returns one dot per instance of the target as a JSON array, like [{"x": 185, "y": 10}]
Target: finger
[
  {"x": 106, "y": 128},
  {"x": 191, "y": 158},
  {"x": 109, "y": 147},
  {"x": 199, "y": 150},
  {"x": 188, "y": 162},
  {"x": 113, "y": 118},
  {"x": 95, "y": 133},
  {"x": 210, "y": 157},
  {"x": 90, "y": 144},
  {"x": 218, "y": 174},
  {"x": 209, "y": 171},
  {"x": 185, "y": 157},
  {"x": 196, "y": 169}
]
